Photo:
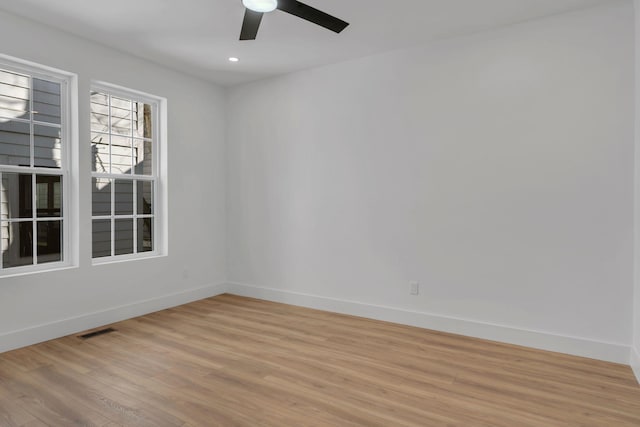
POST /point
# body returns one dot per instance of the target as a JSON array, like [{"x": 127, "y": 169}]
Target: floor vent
[{"x": 96, "y": 333}]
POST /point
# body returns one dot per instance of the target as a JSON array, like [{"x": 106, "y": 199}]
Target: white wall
[
  {"x": 40, "y": 306},
  {"x": 635, "y": 353},
  {"x": 496, "y": 169}
]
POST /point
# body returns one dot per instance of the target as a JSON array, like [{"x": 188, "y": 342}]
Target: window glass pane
[
  {"x": 121, "y": 154},
  {"x": 142, "y": 153},
  {"x": 46, "y": 101},
  {"x": 101, "y": 196},
  {"x": 124, "y": 197},
  {"x": 14, "y": 96},
  {"x": 124, "y": 236},
  {"x": 49, "y": 196},
  {"x": 4, "y": 236},
  {"x": 142, "y": 120},
  {"x": 99, "y": 112},
  {"x": 17, "y": 245},
  {"x": 15, "y": 143},
  {"x": 145, "y": 197},
  {"x": 16, "y": 195},
  {"x": 121, "y": 116},
  {"x": 47, "y": 146},
  {"x": 49, "y": 241},
  {"x": 145, "y": 234},
  {"x": 100, "y": 153},
  {"x": 101, "y": 238}
]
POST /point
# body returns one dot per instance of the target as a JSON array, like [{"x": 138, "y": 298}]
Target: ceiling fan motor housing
[{"x": 261, "y": 5}]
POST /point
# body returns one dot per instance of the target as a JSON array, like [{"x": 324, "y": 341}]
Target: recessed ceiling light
[
  {"x": 233, "y": 59},
  {"x": 260, "y": 5}
]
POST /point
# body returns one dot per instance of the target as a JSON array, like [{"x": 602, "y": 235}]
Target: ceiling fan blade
[
  {"x": 250, "y": 24},
  {"x": 301, "y": 10}
]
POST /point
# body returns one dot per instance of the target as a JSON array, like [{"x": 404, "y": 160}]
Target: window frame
[
  {"x": 158, "y": 177},
  {"x": 68, "y": 137}
]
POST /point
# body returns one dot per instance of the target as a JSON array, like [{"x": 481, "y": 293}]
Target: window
[
  {"x": 34, "y": 167},
  {"x": 125, "y": 173}
]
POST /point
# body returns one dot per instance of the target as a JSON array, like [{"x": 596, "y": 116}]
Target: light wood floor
[{"x": 232, "y": 361}]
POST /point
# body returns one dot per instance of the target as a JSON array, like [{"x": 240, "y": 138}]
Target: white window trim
[
  {"x": 70, "y": 183},
  {"x": 159, "y": 160}
]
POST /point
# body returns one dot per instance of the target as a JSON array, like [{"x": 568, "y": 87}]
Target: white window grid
[
  {"x": 33, "y": 72},
  {"x": 113, "y": 91}
]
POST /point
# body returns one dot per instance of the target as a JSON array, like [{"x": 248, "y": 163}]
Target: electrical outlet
[{"x": 414, "y": 288}]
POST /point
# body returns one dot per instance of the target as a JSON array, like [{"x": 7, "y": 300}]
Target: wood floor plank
[
  {"x": 234, "y": 361},
  {"x": 36, "y": 423},
  {"x": 14, "y": 416}
]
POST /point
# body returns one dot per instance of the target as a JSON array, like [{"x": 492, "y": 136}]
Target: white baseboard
[
  {"x": 36, "y": 334},
  {"x": 635, "y": 363},
  {"x": 611, "y": 352}
]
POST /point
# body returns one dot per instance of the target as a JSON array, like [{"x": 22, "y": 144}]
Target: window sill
[
  {"x": 126, "y": 258},
  {"x": 49, "y": 268}
]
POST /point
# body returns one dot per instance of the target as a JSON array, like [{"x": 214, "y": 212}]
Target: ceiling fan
[{"x": 255, "y": 9}]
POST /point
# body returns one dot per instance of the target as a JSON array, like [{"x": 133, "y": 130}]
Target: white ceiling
[{"x": 197, "y": 36}]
